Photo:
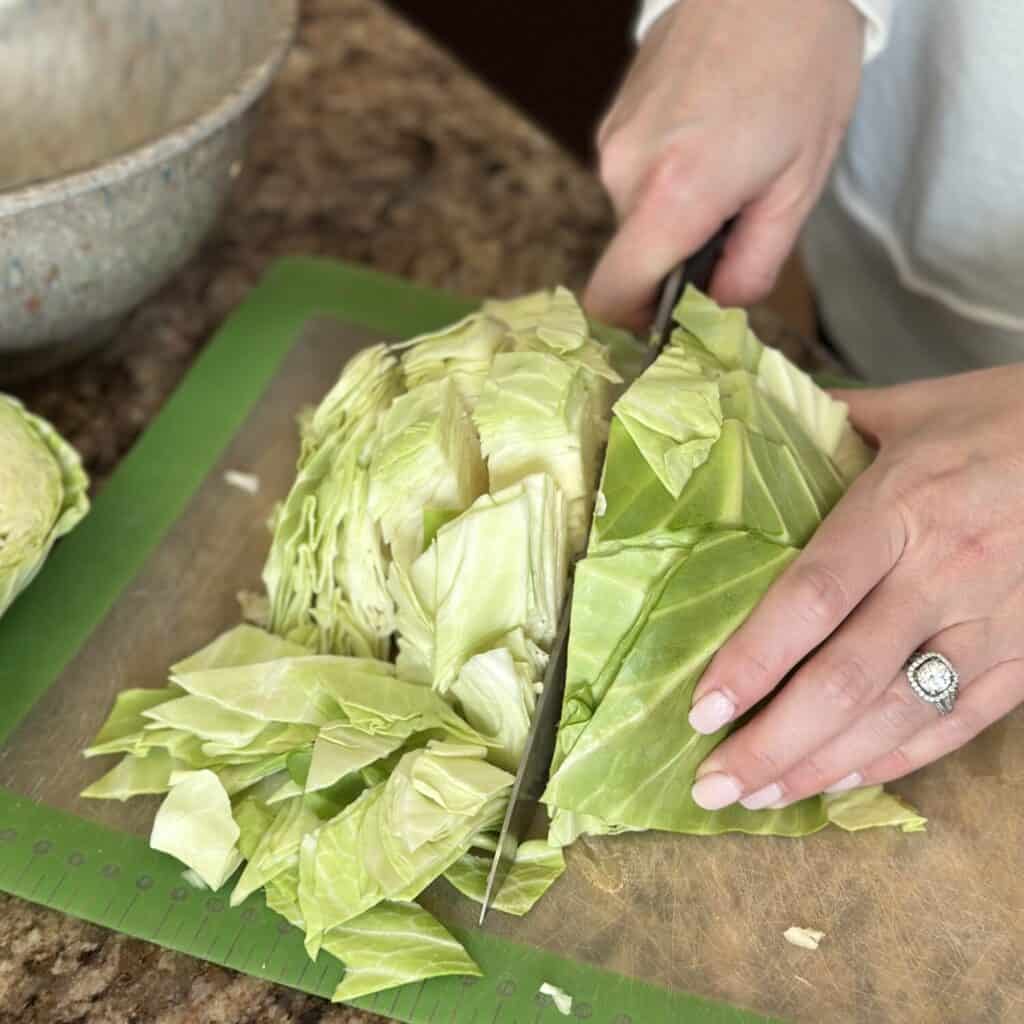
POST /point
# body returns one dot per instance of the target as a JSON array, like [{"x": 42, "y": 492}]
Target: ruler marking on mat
[
  {"x": 302, "y": 973},
  {"x": 231, "y": 948},
  {"x": 394, "y": 1002},
  {"x": 243, "y": 964},
  {"x": 208, "y": 952},
  {"x": 71, "y": 898},
  {"x": 323, "y": 974},
  {"x": 127, "y": 910},
  {"x": 33, "y": 892},
  {"x": 53, "y": 891},
  {"x": 24, "y": 870},
  {"x": 416, "y": 999},
  {"x": 218, "y": 934},
  {"x": 163, "y": 920},
  {"x": 199, "y": 929},
  {"x": 177, "y": 930},
  {"x": 271, "y": 952}
]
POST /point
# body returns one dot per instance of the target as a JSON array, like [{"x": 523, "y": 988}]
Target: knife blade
[{"x": 534, "y": 766}]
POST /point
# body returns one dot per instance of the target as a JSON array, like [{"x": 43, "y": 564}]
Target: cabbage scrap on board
[
  {"x": 723, "y": 458},
  {"x": 360, "y": 743},
  {"x": 43, "y": 495},
  {"x": 364, "y": 743}
]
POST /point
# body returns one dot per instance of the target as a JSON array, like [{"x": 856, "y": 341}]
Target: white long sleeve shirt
[{"x": 916, "y": 250}]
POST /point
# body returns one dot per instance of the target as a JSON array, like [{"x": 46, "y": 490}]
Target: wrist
[{"x": 876, "y": 15}]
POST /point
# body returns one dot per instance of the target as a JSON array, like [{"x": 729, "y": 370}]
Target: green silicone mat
[{"x": 68, "y": 856}]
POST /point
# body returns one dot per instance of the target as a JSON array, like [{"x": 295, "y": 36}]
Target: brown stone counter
[{"x": 373, "y": 146}]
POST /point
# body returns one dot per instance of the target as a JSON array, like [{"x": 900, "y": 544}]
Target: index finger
[
  {"x": 854, "y": 548},
  {"x": 672, "y": 219}
]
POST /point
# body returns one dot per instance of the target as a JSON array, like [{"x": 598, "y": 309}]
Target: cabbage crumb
[
  {"x": 805, "y": 938},
  {"x": 561, "y": 998},
  {"x": 248, "y": 482}
]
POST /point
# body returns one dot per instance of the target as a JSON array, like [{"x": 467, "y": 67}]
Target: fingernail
[
  {"x": 711, "y": 712},
  {"x": 715, "y": 791},
  {"x": 763, "y": 797},
  {"x": 851, "y": 781}
]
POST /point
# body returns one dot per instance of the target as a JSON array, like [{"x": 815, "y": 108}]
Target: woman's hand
[
  {"x": 731, "y": 106},
  {"x": 926, "y": 551}
]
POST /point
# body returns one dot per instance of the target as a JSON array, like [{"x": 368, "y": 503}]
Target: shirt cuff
[
  {"x": 877, "y": 19},
  {"x": 650, "y": 12}
]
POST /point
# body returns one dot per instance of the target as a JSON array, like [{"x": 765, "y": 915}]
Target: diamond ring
[{"x": 934, "y": 680}]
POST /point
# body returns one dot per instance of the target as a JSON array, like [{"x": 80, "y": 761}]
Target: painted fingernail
[
  {"x": 763, "y": 797},
  {"x": 851, "y": 781},
  {"x": 711, "y": 712},
  {"x": 715, "y": 791}
]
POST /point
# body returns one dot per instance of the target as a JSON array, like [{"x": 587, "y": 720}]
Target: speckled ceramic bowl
[{"x": 122, "y": 124}]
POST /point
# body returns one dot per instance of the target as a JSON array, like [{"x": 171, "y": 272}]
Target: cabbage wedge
[{"x": 723, "y": 459}]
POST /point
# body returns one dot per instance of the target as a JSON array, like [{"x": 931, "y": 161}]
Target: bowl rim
[{"x": 248, "y": 88}]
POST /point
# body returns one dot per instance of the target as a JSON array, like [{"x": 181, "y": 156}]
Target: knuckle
[
  {"x": 810, "y": 776},
  {"x": 753, "y": 764},
  {"x": 898, "y": 714},
  {"x": 918, "y": 484},
  {"x": 821, "y": 596},
  {"x": 616, "y": 161},
  {"x": 892, "y": 521},
  {"x": 894, "y": 765},
  {"x": 763, "y": 764},
  {"x": 666, "y": 172},
  {"x": 749, "y": 673},
  {"x": 961, "y": 725},
  {"x": 847, "y": 685},
  {"x": 903, "y": 483},
  {"x": 674, "y": 178},
  {"x": 971, "y": 549}
]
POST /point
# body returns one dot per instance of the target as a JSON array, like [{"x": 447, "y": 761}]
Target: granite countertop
[{"x": 373, "y": 146}]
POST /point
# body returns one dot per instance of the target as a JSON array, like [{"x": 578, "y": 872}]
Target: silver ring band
[{"x": 933, "y": 680}]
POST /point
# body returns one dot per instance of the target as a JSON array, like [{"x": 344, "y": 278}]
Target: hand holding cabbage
[{"x": 925, "y": 552}]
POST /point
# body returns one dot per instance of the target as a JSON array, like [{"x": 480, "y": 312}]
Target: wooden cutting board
[{"x": 643, "y": 928}]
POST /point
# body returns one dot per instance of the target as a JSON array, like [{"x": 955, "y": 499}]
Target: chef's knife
[{"x": 534, "y": 766}]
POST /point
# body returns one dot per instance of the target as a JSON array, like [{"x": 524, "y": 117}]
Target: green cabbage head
[{"x": 42, "y": 495}]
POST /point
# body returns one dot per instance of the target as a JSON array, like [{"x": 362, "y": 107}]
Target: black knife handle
[
  {"x": 696, "y": 270},
  {"x": 701, "y": 265}
]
